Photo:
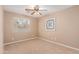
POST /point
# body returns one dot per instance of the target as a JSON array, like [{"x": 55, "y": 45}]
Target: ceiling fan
[{"x": 36, "y": 10}]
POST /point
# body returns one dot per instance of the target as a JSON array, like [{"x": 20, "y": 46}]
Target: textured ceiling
[{"x": 20, "y": 9}]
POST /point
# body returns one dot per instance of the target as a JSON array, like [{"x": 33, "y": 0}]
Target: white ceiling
[{"x": 21, "y": 9}]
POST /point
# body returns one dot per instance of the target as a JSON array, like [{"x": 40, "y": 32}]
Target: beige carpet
[{"x": 36, "y": 46}]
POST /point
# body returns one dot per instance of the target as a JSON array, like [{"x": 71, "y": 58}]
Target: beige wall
[
  {"x": 67, "y": 27},
  {"x": 10, "y": 35},
  {"x": 1, "y": 29}
]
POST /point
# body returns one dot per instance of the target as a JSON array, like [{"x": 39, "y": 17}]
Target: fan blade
[
  {"x": 40, "y": 13},
  {"x": 43, "y": 10},
  {"x": 29, "y": 10},
  {"x": 32, "y": 13},
  {"x": 37, "y": 6}
]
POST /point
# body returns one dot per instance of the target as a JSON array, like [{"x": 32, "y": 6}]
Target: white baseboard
[
  {"x": 53, "y": 42},
  {"x": 19, "y": 41},
  {"x": 61, "y": 44}
]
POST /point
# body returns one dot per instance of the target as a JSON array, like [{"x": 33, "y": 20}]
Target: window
[
  {"x": 21, "y": 25},
  {"x": 50, "y": 24}
]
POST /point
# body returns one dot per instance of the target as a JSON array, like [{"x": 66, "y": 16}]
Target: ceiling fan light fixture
[{"x": 35, "y": 10}]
